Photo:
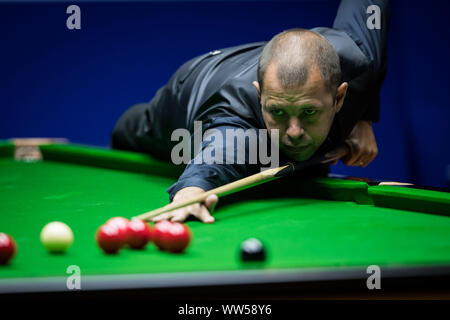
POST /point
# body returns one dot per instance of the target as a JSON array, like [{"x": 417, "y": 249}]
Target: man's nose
[{"x": 295, "y": 130}]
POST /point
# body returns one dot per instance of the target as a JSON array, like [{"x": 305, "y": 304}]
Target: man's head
[{"x": 300, "y": 91}]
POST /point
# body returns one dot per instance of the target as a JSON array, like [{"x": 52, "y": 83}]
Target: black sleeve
[
  {"x": 209, "y": 170},
  {"x": 352, "y": 18}
]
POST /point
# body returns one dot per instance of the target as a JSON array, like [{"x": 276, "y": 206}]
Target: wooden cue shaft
[{"x": 241, "y": 184}]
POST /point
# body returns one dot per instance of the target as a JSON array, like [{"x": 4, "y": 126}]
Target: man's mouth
[{"x": 296, "y": 149}]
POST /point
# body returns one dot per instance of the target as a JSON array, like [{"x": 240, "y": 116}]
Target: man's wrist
[{"x": 186, "y": 192}]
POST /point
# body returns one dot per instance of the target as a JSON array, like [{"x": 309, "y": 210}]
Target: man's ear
[
  {"x": 341, "y": 92},
  {"x": 256, "y": 84}
]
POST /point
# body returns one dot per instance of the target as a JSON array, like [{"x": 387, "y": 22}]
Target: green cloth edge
[
  {"x": 109, "y": 159},
  {"x": 420, "y": 200}
]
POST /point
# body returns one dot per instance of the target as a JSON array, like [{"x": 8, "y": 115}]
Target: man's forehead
[
  {"x": 314, "y": 85},
  {"x": 280, "y": 96}
]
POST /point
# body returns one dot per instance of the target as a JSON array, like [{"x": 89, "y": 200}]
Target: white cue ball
[{"x": 56, "y": 237}]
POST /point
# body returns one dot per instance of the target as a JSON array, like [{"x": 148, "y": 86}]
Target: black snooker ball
[{"x": 252, "y": 250}]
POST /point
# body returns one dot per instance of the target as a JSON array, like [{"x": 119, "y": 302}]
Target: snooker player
[{"x": 320, "y": 88}]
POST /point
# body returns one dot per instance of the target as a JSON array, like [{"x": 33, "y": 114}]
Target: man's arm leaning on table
[{"x": 352, "y": 17}]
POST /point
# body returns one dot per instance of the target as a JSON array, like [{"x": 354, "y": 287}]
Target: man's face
[{"x": 303, "y": 115}]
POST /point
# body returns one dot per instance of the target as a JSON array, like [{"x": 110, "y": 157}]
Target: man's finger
[
  {"x": 366, "y": 159},
  {"x": 211, "y": 202},
  {"x": 373, "y": 154},
  {"x": 348, "y": 159},
  {"x": 205, "y": 216},
  {"x": 369, "y": 158},
  {"x": 355, "y": 157},
  {"x": 181, "y": 214},
  {"x": 164, "y": 216},
  {"x": 360, "y": 160}
]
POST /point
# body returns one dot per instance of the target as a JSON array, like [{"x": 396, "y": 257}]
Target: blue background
[{"x": 75, "y": 84}]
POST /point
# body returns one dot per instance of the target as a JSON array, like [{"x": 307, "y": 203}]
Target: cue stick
[{"x": 244, "y": 183}]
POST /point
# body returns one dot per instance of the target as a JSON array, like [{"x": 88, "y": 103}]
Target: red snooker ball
[
  {"x": 121, "y": 223},
  {"x": 160, "y": 230},
  {"x": 171, "y": 236},
  {"x": 110, "y": 238},
  {"x": 139, "y": 234},
  {"x": 8, "y": 248}
]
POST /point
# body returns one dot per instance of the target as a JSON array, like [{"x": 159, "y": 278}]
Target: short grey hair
[{"x": 296, "y": 52}]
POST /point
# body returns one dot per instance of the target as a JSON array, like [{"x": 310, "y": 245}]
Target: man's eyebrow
[
  {"x": 311, "y": 105},
  {"x": 303, "y": 106},
  {"x": 273, "y": 105}
]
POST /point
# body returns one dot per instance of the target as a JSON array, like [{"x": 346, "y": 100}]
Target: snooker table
[{"x": 320, "y": 234}]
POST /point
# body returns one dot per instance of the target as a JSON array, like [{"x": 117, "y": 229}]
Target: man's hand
[
  {"x": 200, "y": 210},
  {"x": 362, "y": 145}
]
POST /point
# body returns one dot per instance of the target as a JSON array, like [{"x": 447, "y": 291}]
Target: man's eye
[
  {"x": 277, "y": 112},
  {"x": 310, "y": 112}
]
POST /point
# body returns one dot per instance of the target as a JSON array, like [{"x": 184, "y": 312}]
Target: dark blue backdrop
[{"x": 63, "y": 83}]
